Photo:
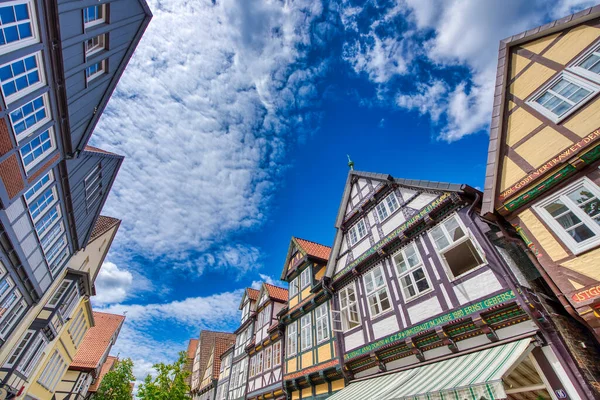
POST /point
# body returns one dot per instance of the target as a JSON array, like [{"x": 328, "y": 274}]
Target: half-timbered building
[
  {"x": 429, "y": 304},
  {"x": 244, "y": 333},
  {"x": 265, "y": 371},
  {"x": 208, "y": 385},
  {"x": 544, "y": 154},
  {"x": 224, "y": 374},
  {"x": 204, "y": 349},
  {"x": 312, "y": 367}
]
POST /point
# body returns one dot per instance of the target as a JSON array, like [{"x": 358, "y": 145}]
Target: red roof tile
[
  {"x": 277, "y": 293},
  {"x": 314, "y": 249},
  {"x": 221, "y": 346},
  {"x": 103, "y": 224},
  {"x": 97, "y": 340},
  {"x": 192, "y": 346},
  {"x": 107, "y": 366},
  {"x": 97, "y": 150},
  {"x": 252, "y": 294}
]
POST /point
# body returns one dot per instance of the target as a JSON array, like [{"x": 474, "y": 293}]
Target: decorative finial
[{"x": 350, "y": 163}]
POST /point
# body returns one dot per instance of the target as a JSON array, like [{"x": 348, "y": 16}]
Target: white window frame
[
  {"x": 276, "y": 353},
  {"x": 30, "y": 130},
  {"x": 576, "y": 68},
  {"x": 252, "y": 368},
  {"x": 576, "y": 248},
  {"x": 322, "y": 323},
  {"x": 53, "y": 372},
  {"x": 102, "y": 69},
  {"x": 306, "y": 336},
  {"x": 48, "y": 205},
  {"x": 32, "y": 355},
  {"x": 292, "y": 339},
  {"x": 259, "y": 362},
  {"x": 294, "y": 288},
  {"x": 245, "y": 311},
  {"x": 98, "y": 43},
  {"x": 572, "y": 78},
  {"x": 409, "y": 272},
  {"x": 21, "y": 93},
  {"x": 50, "y": 224},
  {"x": 384, "y": 209},
  {"x": 52, "y": 236},
  {"x": 375, "y": 292},
  {"x": 467, "y": 236},
  {"x": 35, "y": 191},
  {"x": 345, "y": 310},
  {"x": 25, "y": 339},
  {"x": 77, "y": 328},
  {"x": 7, "y": 48},
  {"x": 102, "y": 9},
  {"x": 268, "y": 358},
  {"x": 44, "y": 155},
  {"x": 305, "y": 277},
  {"x": 58, "y": 293},
  {"x": 354, "y": 232},
  {"x": 10, "y": 318}
]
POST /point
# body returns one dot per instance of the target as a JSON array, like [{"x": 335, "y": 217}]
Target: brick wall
[{"x": 10, "y": 173}]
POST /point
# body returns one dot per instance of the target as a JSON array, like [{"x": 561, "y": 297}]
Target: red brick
[{"x": 10, "y": 173}]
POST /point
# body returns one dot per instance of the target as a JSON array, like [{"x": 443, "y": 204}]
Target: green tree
[
  {"x": 116, "y": 383},
  {"x": 169, "y": 383}
]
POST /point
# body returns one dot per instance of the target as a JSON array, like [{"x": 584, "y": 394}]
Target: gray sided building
[
  {"x": 425, "y": 287},
  {"x": 59, "y": 63}
]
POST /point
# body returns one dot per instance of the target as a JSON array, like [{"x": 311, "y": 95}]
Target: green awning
[{"x": 471, "y": 376}]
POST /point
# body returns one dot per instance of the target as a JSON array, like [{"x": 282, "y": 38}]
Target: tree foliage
[
  {"x": 116, "y": 383},
  {"x": 169, "y": 383}
]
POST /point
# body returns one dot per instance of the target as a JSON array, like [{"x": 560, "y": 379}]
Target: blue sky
[{"x": 236, "y": 116}]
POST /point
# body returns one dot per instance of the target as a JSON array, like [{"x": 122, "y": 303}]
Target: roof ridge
[
  {"x": 106, "y": 313},
  {"x": 275, "y": 286},
  {"x": 310, "y": 241}
]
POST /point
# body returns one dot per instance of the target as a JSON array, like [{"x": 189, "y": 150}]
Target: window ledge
[{"x": 412, "y": 299}]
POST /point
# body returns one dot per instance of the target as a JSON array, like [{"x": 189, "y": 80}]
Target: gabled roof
[
  {"x": 103, "y": 225},
  {"x": 307, "y": 248},
  {"x": 107, "y": 366},
  {"x": 252, "y": 294},
  {"x": 497, "y": 123},
  {"x": 205, "y": 347},
  {"x": 97, "y": 341},
  {"x": 276, "y": 293},
  {"x": 407, "y": 183},
  {"x": 192, "y": 346},
  {"x": 221, "y": 346}
]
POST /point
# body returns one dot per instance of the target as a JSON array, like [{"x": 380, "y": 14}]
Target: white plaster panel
[
  {"x": 341, "y": 263},
  {"x": 385, "y": 327},
  {"x": 35, "y": 258},
  {"x": 354, "y": 340},
  {"x": 375, "y": 233},
  {"x": 424, "y": 246},
  {"x": 435, "y": 270},
  {"x": 371, "y": 216},
  {"x": 45, "y": 283},
  {"x": 362, "y": 183},
  {"x": 354, "y": 191},
  {"x": 344, "y": 244},
  {"x": 472, "y": 342},
  {"x": 424, "y": 310},
  {"x": 514, "y": 330},
  {"x": 29, "y": 244},
  {"x": 349, "y": 207},
  {"x": 365, "y": 191},
  {"x": 361, "y": 247},
  {"x": 422, "y": 200},
  {"x": 406, "y": 193},
  {"x": 15, "y": 209},
  {"x": 368, "y": 372},
  {"x": 40, "y": 272},
  {"x": 22, "y": 227},
  {"x": 477, "y": 287},
  {"x": 402, "y": 362},
  {"x": 446, "y": 297},
  {"x": 437, "y": 352},
  {"x": 393, "y": 222}
]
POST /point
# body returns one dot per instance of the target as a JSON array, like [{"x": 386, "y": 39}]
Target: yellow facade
[{"x": 65, "y": 347}]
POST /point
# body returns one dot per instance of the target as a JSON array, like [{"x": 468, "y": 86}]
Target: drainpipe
[{"x": 553, "y": 337}]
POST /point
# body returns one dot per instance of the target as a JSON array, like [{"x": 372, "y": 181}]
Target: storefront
[{"x": 518, "y": 370}]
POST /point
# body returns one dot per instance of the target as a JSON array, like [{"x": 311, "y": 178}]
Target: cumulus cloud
[
  {"x": 112, "y": 284},
  {"x": 204, "y": 116},
  {"x": 268, "y": 279},
  {"x": 442, "y": 35}
]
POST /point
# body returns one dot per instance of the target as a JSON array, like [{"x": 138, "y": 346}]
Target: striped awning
[{"x": 472, "y": 376}]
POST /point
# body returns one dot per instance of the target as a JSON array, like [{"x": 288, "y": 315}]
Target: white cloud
[
  {"x": 203, "y": 115},
  {"x": 112, "y": 284},
  {"x": 462, "y": 33},
  {"x": 268, "y": 279},
  {"x": 380, "y": 58}
]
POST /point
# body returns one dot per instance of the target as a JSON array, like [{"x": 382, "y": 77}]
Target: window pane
[
  {"x": 556, "y": 208},
  {"x": 411, "y": 255},
  {"x": 440, "y": 239},
  {"x": 592, "y": 63},
  {"x": 568, "y": 220},
  {"x": 581, "y": 233},
  {"x": 420, "y": 280},
  {"x": 462, "y": 258},
  {"x": 407, "y": 286},
  {"x": 454, "y": 230},
  {"x": 383, "y": 298}
]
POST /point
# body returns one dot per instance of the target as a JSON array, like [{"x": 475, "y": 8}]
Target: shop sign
[
  {"x": 561, "y": 394},
  {"x": 392, "y": 235},
  {"x": 559, "y": 159},
  {"x": 443, "y": 319},
  {"x": 586, "y": 295}
]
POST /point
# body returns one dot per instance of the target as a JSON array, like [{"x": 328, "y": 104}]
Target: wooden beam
[{"x": 532, "y": 388}]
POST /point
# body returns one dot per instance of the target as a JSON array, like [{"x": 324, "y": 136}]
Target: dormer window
[
  {"x": 387, "y": 206},
  {"x": 305, "y": 278},
  {"x": 357, "y": 232}
]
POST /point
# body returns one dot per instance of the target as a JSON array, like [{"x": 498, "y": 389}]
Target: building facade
[
  {"x": 84, "y": 373},
  {"x": 224, "y": 374},
  {"x": 244, "y": 333},
  {"x": 210, "y": 380},
  {"x": 265, "y": 370},
  {"x": 189, "y": 364},
  {"x": 62, "y": 316},
  {"x": 425, "y": 287},
  {"x": 59, "y": 63},
  {"x": 312, "y": 368},
  {"x": 204, "y": 349}
]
